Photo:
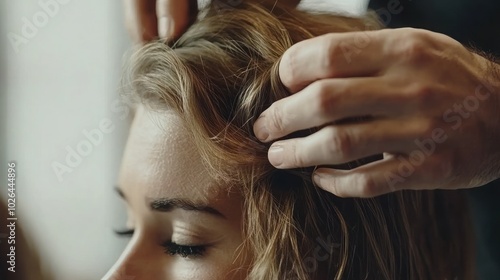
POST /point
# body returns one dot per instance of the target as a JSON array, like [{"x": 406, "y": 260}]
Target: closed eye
[
  {"x": 184, "y": 251},
  {"x": 171, "y": 248}
]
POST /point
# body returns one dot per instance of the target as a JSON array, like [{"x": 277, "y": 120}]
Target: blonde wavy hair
[{"x": 219, "y": 76}]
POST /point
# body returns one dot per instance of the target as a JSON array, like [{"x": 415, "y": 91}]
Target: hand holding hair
[
  {"x": 165, "y": 19},
  {"x": 149, "y": 19},
  {"x": 433, "y": 108}
]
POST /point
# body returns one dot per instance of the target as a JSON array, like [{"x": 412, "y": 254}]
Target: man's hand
[
  {"x": 148, "y": 19},
  {"x": 434, "y": 111}
]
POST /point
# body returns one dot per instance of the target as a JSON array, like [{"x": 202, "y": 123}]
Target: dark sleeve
[{"x": 471, "y": 22}]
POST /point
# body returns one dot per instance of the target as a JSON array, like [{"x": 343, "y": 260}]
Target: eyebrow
[{"x": 170, "y": 204}]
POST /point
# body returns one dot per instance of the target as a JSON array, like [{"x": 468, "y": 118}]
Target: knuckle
[
  {"x": 421, "y": 93},
  {"x": 296, "y": 157},
  {"x": 414, "y": 46},
  {"x": 367, "y": 185},
  {"x": 335, "y": 186},
  {"x": 288, "y": 65},
  {"x": 326, "y": 100},
  {"x": 340, "y": 144},
  {"x": 276, "y": 118},
  {"x": 331, "y": 52}
]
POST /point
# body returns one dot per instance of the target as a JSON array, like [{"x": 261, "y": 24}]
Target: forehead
[{"x": 161, "y": 160}]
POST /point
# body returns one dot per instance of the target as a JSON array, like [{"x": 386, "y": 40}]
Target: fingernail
[
  {"x": 165, "y": 27},
  {"x": 276, "y": 155},
  {"x": 261, "y": 131}
]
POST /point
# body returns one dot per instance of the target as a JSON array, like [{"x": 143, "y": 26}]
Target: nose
[{"x": 137, "y": 262}]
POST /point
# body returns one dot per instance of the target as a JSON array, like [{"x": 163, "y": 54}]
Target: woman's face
[{"x": 185, "y": 226}]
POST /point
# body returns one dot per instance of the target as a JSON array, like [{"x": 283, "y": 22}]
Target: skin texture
[
  {"x": 432, "y": 105},
  {"x": 160, "y": 161}
]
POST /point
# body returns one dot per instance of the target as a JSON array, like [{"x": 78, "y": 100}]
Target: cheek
[
  {"x": 223, "y": 263},
  {"x": 213, "y": 269},
  {"x": 144, "y": 260}
]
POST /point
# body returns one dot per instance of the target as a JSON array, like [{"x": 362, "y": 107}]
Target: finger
[
  {"x": 140, "y": 19},
  {"x": 338, "y": 144},
  {"x": 330, "y": 100},
  {"x": 334, "y": 55},
  {"x": 174, "y": 16},
  {"x": 380, "y": 177}
]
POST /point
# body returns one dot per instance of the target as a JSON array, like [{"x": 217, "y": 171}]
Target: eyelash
[
  {"x": 171, "y": 248},
  {"x": 184, "y": 251},
  {"x": 124, "y": 232}
]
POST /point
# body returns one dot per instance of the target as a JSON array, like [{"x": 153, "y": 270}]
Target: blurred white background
[
  {"x": 60, "y": 69},
  {"x": 61, "y": 79}
]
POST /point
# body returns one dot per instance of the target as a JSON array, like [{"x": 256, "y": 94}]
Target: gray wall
[{"x": 63, "y": 67}]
